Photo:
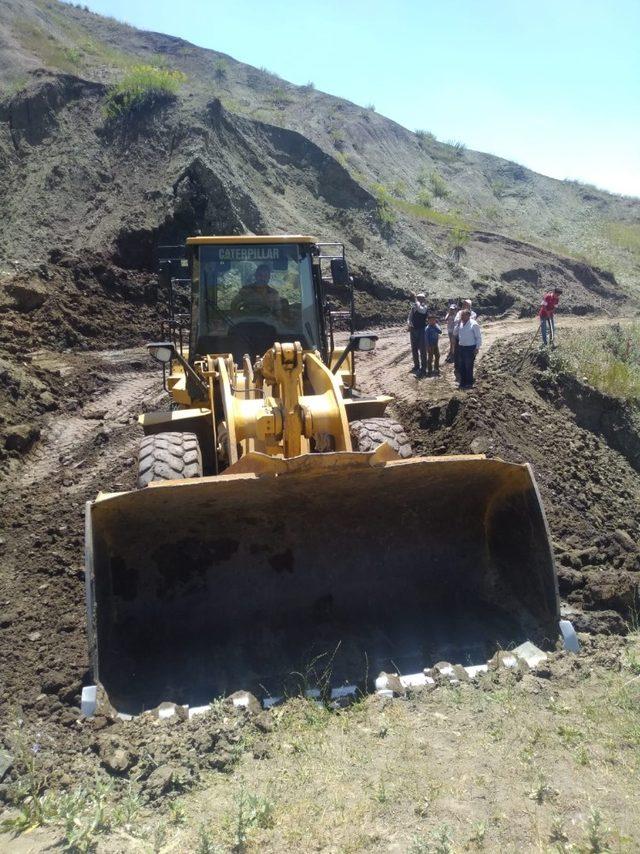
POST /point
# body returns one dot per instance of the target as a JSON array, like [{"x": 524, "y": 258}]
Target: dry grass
[
  {"x": 454, "y": 770},
  {"x": 534, "y": 765},
  {"x": 624, "y": 234}
]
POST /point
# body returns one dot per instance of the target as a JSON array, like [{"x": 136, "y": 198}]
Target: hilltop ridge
[{"x": 242, "y": 150}]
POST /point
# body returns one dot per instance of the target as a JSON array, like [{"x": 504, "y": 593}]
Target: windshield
[{"x": 246, "y": 297}]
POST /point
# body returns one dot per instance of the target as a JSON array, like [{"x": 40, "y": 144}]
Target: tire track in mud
[
  {"x": 90, "y": 447},
  {"x": 107, "y": 422}
]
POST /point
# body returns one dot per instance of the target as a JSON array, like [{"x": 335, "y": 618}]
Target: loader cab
[{"x": 249, "y": 292}]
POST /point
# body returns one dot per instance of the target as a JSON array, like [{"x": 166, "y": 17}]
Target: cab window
[{"x": 250, "y": 296}]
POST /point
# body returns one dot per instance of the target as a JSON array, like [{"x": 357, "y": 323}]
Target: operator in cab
[{"x": 258, "y": 297}]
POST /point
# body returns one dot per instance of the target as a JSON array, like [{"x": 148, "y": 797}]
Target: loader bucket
[{"x": 333, "y": 570}]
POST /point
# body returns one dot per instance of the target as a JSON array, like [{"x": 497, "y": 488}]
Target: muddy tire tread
[
  {"x": 368, "y": 433},
  {"x": 169, "y": 456}
]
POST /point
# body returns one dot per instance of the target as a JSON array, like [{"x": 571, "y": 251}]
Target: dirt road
[{"x": 388, "y": 368}]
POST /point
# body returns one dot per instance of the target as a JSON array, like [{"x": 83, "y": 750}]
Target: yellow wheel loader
[{"x": 282, "y": 536}]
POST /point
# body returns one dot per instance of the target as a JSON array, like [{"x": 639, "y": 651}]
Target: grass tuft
[
  {"x": 448, "y": 220},
  {"x": 385, "y": 204},
  {"x": 142, "y": 88},
  {"x": 438, "y": 185}
]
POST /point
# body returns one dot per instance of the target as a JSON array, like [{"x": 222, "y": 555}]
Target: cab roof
[{"x": 232, "y": 239}]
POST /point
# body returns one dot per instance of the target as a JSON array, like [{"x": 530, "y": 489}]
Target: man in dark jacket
[
  {"x": 432, "y": 333},
  {"x": 416, "y": 322}
]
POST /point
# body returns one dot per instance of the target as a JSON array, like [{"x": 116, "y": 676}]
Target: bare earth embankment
[{"x": 541, "y": 760}]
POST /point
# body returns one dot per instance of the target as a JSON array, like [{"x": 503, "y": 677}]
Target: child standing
[{"x": 432, "y": 334}]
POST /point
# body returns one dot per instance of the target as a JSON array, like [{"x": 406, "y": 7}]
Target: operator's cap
[
  {"x": 453, "y": 307},
  {"x": 421, "y": 296}
]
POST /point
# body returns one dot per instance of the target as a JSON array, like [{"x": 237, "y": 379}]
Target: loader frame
[
  {"x": 292, "y": 539},
  {"x": 319, "y": 387}
]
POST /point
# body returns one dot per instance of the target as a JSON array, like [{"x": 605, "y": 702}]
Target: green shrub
[
  {"x": 424, "y": 178},
  {"x": 384, "y": 202},
  {"x": 220, "y": 71},
  {"x": 438, "y": 185},
  {"x": 399, "y": 189},
  {"x": 280, "y": 98},
  {"x": 338, "y": 139},
  {"x": 458, "y": 239},
  {"x": 449, "y": 220},
  {"x": 424, "y": 199},
  {"x": 424, "y": 138},
  {"x": 73, "y": 55},
  {"x": 143, "y": 87}
]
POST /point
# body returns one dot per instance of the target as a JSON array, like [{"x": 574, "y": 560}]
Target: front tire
[
  {"x": 169, "y": 456},
  {"x": 370, "y": 433}
]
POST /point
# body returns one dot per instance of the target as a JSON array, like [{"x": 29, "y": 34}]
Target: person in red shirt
[{"x": 547, "y": 309}]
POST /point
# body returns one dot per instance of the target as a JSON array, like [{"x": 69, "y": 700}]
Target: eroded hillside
[{"x": 240, "y": 150}]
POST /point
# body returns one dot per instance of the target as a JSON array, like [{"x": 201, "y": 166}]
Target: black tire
[
  {"x": 368, "y": 434},
  {"x": 169, "y": 456}
]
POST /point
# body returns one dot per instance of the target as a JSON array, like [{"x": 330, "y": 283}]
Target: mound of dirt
[
  {"x": 517, "y": 412},
  {"x": 69, "y": 302}
]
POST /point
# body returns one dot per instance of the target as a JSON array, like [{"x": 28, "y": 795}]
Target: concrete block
[
  {"x": 571, "y": 642},
  {"x": 474, "y": 669},
  {"x": 193, "y": 711},
  {"x": 389, "y": 682},
  {"x": 530, "y": 653},
  {"x": 246, "y": 700},
  {"x": 89, "y": 700}
]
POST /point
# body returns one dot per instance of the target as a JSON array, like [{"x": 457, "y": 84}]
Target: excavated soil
[{"x": 88, "y": 442}]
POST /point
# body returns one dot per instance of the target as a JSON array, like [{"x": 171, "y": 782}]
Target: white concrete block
[
  {"x": 198, "y": 710},
  {"x": 474, "y": 669},
  {"x": 88, "y": 700},
  {"x": 530, "y": 653},
  {"x": 343, "y": 691}
]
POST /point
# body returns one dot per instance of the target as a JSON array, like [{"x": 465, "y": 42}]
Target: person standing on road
[
  {"x": 416, "y": 322},
  {"x": 450, "y": 319},
  {"x": 469, "y": 341},
  {"x": 463, "y": 305},
  {"x": 547, "y": 310},
  {"x": 432, "y": 332}
]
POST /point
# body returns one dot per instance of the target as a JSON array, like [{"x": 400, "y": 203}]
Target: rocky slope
[{"x": 242, "y": 150}]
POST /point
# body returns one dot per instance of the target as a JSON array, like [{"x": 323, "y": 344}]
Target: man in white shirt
[
  {"x": 464, "y": 305},
  {"x": 469, "y": 341}
]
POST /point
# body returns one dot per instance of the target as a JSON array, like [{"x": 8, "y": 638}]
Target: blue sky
[{"x": 552, "y": 84}]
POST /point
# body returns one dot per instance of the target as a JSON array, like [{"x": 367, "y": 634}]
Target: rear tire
[
  {"x": 169, "y": 456},
  {"x": 368, "y": 434}
]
